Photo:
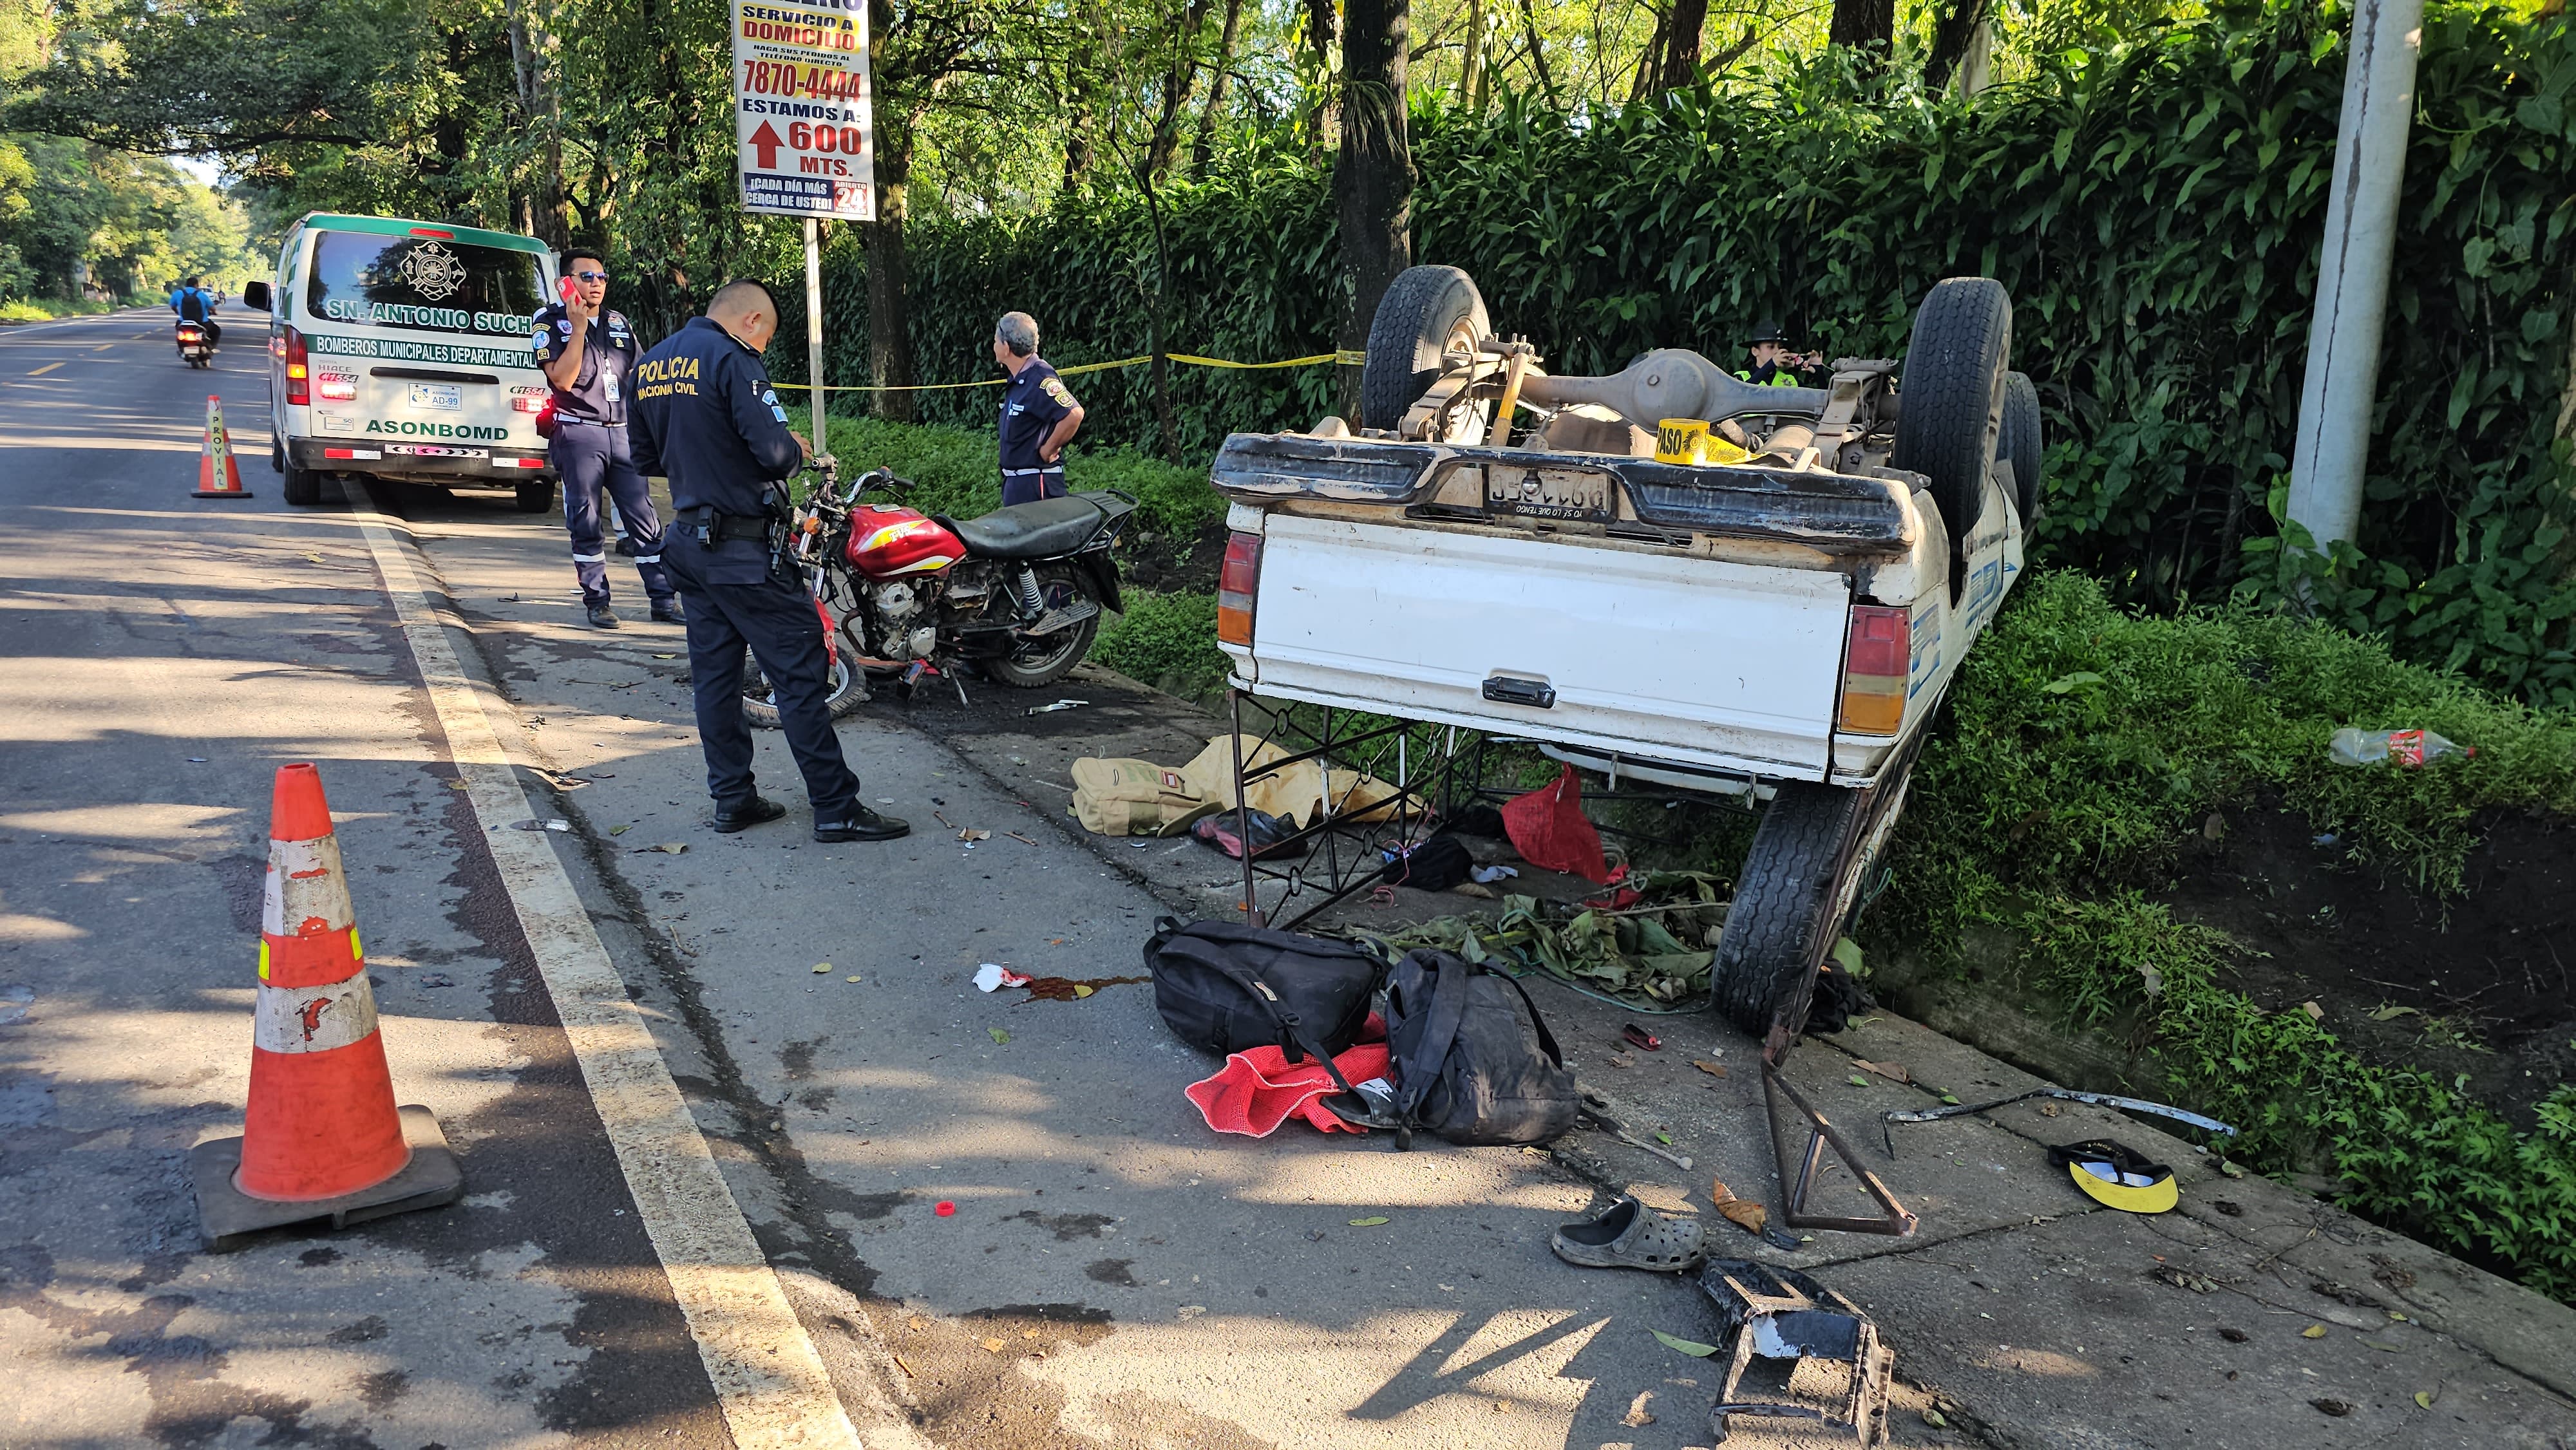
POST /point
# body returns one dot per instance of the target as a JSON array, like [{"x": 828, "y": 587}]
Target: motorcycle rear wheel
[
  {"x": 760, "y": 703},
  {"x": 1033, "y": 663}
]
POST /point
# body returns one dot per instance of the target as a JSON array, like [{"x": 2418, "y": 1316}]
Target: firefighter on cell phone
[
  {"x": 588, "y": 354},
  {"x": 1039, "y": 414}
]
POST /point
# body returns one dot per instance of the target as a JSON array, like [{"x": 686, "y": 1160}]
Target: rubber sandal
[{"x": 1632, "y": 1236}]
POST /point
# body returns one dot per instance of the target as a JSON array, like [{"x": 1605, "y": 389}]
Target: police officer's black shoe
[
  {"x": 746, "y": 814},
  {"x": 861, "y": 824},
  {"x": 667, "y": 611},
  {"x": 602, "y": 617}
]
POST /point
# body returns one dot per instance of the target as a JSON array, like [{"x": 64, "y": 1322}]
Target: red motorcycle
[{"x": 906, "y": 596}]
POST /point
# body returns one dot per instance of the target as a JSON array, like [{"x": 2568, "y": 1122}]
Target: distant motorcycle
[
  {"x": 904, "y": 595},
  {"x": 196, "y": 346}
]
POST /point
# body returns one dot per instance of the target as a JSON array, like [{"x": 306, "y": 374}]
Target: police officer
[
  {"x": 588, "y": 354},
  {"x": 1774, "y": 366},
  {"x": 704, "y": 414},
  {"x": 1039, "y": 414}
]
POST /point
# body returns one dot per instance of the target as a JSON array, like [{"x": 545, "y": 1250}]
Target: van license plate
[
  {"x": 1587, "y": 495},
  {"x": 446, "y": 397},
  {"x": 432, "y": 450}
]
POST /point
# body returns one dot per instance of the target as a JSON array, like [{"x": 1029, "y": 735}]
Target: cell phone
[{"x": 567, "y": 289}]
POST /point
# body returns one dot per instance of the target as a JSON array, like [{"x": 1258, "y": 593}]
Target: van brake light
[
  {"x": 299, "y": 371},
  {"x": 1876, "y": 658},
  {"x": 1238, "y": 580}
]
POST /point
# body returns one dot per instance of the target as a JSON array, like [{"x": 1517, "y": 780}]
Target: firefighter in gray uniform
[{"x": 588, "y": 354}]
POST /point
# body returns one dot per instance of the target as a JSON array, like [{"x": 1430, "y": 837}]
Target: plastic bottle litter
[{"x": 2406, "y": 747}]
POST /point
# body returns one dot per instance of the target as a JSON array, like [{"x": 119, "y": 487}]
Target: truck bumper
[{"x": 446, "y": 465}]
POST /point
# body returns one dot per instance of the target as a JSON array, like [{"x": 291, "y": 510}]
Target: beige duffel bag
[{"x": 1134, "y": 798}]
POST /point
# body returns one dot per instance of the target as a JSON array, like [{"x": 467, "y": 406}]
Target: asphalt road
[
  {"x": 1113, "y": 1273},
  {"x": 709, "y": 1091}
]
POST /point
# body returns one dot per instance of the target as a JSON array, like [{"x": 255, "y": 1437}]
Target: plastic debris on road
[{"x": 992, "y": 976}]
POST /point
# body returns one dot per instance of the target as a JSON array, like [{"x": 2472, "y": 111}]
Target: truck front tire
[
  {"x": 1426, "y": 313},
  {"x": 1951, "y": 419}
]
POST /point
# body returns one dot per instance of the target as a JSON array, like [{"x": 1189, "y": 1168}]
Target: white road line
[{"x": 771, "y": 1382}]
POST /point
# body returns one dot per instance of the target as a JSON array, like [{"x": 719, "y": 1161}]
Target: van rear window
[{"x": 422, "y": 282}]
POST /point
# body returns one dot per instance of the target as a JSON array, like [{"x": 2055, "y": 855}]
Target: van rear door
[{"x": 418, "y": 338}]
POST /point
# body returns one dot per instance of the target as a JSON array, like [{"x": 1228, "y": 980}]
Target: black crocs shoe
[
  {"x": 747, "y": 814},
  {"x": 861, "y": 824}
]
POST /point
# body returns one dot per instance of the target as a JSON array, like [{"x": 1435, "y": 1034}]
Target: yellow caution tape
[{"x": 1076, "y": 371}]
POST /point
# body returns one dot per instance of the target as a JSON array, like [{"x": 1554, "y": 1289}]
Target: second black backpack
[
  {"x": 1471, "y": 1058},
  {"x": 1224, "y": 987}
]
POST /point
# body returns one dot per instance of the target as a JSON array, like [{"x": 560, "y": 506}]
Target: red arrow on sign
[{"x": 766, "y": 142}]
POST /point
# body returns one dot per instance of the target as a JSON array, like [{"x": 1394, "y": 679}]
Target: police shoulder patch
[{"x": 1056, "y": 389}]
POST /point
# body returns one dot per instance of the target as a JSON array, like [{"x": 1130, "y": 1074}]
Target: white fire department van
[{"x": 400, "y": 349}]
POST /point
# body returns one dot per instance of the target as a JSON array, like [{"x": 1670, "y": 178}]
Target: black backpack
[
  {"x": 1225, "y": 987},
  {"x": 1471, "y": 1058}
]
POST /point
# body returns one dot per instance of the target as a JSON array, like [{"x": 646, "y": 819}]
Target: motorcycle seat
[{"x": 1038, "y": 530}]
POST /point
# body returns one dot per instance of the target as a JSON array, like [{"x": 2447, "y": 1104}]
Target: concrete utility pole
[{"x": 2352, "y": 274}]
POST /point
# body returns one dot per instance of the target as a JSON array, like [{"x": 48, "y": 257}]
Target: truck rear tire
[
  {"x": 1426, "y": 312},
  {"x": 536, "y": 498},
  {"x": 303, "y": 487},
  {"x": 2021, "y": 445},
  {"x": 1781, "y": 923},
  {"x": 1951, "y": 419}
]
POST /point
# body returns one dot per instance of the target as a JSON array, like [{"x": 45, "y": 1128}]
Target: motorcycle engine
[{"x": 895, "y": 605}]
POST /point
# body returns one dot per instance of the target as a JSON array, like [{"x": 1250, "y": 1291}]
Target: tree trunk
[
  {"x": 1325, "y": 123},
  {"x": 1538, "y": 54},
  {"x": 1472, "y": 60},
  {"x": 1180, "y": 74},
  {"x": 1650, "y": 61},
  {"x": 1681, "y": 44},
  {"x": 889, "y": 291},
  {"x": 1865, "y": 25},
  {"x": 1203, "y": 147},
  {"x": 1374, "y": 176},
  {"x": 1953, "y": 32}
]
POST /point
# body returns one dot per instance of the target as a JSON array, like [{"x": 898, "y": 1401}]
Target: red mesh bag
[{"x": 1548, "y": 828}]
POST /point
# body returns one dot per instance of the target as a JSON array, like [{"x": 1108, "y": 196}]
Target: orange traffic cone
[
  {"x": 322, "y": 1138},
  {"x": 218, "y": 476}
]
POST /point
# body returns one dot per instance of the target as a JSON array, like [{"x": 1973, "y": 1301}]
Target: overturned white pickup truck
[{"x": 1669, "y": 574}]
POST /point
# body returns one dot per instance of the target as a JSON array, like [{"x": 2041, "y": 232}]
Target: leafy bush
[
  {"x": 1168, "y": 641},
  {"x": 2084, "y": 741},
  {"x": 2155, "y": 208},
  {"x": 958, "y": 473}
]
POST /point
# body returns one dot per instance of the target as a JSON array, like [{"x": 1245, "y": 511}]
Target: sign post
[{"x": 804, "y": 143}]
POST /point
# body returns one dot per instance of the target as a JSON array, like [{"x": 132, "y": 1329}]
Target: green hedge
[
  {"x": 2155, "y": 209},
  {"x": 2084, "y": 741}
]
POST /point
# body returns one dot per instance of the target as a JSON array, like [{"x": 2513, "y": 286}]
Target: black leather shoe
[
  {"x": 752, "y": 812},
  {"x": 861, "y": 824},
  {"x": 667, "y": 611},
  {"x": 602, "y": 616}
]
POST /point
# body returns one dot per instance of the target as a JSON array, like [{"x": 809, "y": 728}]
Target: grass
[
  {"x": 2084, "y": 743},
  {"x": 46, "y": 309}
]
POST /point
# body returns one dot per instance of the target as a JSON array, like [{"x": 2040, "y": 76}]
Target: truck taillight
[
  {"x": 1236, "y": 584},
  {"x": 299, "y": 370},
  {"x": 1876, "y": 657}
]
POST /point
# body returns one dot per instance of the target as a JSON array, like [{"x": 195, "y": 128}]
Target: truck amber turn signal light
[
  {"x": 299, "y": 370},
  {"x": 1875, "y": 658},
  {"x": 1236, "y": 583}
]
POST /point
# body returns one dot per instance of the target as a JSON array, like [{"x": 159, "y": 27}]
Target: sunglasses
[{"x": 592, "y": 276}]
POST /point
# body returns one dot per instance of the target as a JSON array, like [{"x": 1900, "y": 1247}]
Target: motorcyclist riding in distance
[{"x": 194, "y": 303}]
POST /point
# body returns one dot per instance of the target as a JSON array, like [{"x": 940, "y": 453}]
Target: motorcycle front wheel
[
  {"x": 1042, "y": 660},
  {"x": 848, "y": 684}
]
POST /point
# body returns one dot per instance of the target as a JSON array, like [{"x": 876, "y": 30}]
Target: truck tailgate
[{"x": 1729, "y": 665}]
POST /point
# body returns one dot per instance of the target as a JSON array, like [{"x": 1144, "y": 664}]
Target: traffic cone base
[
  {"x": 322, "y": 1139},
  {"x": 218, "y": 472},
  {"x": 230, "y": 1219}
]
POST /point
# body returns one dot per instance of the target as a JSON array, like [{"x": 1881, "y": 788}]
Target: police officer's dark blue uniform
[
  {"x": 592, "y": 453},
  {"x": 704, "y": 414},
  {"x": 1033, "y": 403}
]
